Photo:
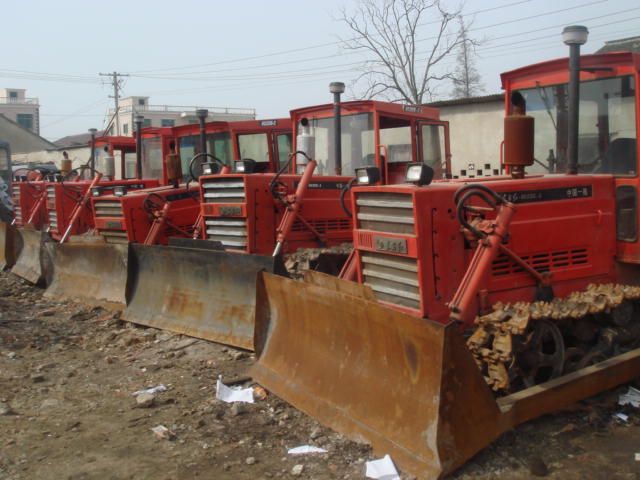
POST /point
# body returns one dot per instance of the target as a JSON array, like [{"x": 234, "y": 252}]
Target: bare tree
[
  {"x": 391, "y": 33},
  {"x": 466, "y": 79}
]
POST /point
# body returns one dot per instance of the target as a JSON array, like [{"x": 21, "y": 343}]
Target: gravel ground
[{"x": 68, "y": 371}]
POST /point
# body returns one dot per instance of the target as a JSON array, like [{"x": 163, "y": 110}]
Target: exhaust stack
[
  {"x": 337, "y": 88},
  {"x": 574, "y": 36},
  {"x": 139, "y": 119},
  {"x": 202, "y": 115}
]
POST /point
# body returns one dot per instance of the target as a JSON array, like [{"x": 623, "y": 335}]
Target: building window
[
  {"x": 25, "y": 120},
  {"x": 166, "y": 122},
  {"x": 125, "y": 129},
  {"x": 13, "y": 94},
  {"x": 146, "y": 122},
  {"x": 141, "y": 101}
]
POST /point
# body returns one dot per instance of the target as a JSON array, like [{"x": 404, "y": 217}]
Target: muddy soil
[{"x": 68, "y": 371}]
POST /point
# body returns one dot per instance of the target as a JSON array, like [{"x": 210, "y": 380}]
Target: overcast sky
[{"x": 272, "y": 56}]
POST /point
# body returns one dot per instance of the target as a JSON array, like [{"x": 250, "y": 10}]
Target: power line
[
  {"x": 265, "y": 75},
  {"x": 299, "y": 73},
  {"x": 311, "y": 47}
]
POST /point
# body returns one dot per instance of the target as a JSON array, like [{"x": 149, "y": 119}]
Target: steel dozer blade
[
  {"x": 199, "y": 292},
  {"x": 28, "y": 263},
  {"x": 87, "y": 269},
  {"x": 7, "y": 245},
  {"x": 408, "y": 386}
]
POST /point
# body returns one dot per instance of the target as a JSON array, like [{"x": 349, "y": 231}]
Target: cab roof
[{"x": 418, "y": 112}]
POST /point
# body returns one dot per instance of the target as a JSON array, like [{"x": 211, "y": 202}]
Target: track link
[{"x": 521, "y": 344}]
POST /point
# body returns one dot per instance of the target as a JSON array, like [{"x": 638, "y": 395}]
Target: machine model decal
[
  {"x": 229, "y": 211},
  {"x": 324, "y": 185},
  {"x": 388, "y": 244},
  {"x": 548, "y": 194},
  {"x": 178, "y": 196}
]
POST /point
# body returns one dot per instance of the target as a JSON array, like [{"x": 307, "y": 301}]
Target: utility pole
[{"x": 117, "y": 85}]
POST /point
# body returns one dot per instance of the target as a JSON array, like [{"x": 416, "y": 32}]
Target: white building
[
  {"x": 476, "y": 130},
  {"x": 166, "y": 115},
  {"x": 17, "y": 107}
]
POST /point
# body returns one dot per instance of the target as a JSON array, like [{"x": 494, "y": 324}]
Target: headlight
[
  {"x": 246, "y": 165},
  {"x": 300, "y": 167},
  {"x": 367, "y": 175},
  {"x": 120, "y": 191},
  {"x": 419, "y": 173},
  {"x": 95, "y": 191},
  {"x": 210, "y": 168}
]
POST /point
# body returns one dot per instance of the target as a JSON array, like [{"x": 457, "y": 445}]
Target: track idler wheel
[{"x": 539, "y": 356}]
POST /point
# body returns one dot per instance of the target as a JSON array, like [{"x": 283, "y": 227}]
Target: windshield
[
  {"x": 358, "y": 143},
  {"x": 129, "y": 165},
  {"x": 218, "y": 144},
  {"x": 152, "y": 158},
  {"x": 607, "y": 126},
  {"x": 284, "y": 148},
  {"x": 433, "y": 148}
]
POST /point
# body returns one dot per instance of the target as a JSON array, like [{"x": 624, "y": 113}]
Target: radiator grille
[
  {"x": 108, "y": 209},
  {"x": 53, "y": 219},
  {"x": 394, "y": 279},
  {"x": 541, "y": 262},
  {"x": 231, "y": 232},
  {"x": 17, "y": 211},
  {"x": 385, "y": 212},
  {"x": 51, "y": 193},
  {"x": 222, "y": 190}
]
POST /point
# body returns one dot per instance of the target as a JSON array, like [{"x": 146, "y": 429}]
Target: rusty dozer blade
[
  {"x": 87, "y": 269},
  {"x": 199, "y": 292},
  {"x": 7, "y": 245},
  {"x": 28, "y": 263},
  {"x": 407, "y": 385}
]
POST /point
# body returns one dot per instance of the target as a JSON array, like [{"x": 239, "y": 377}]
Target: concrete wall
[
  {"x": 476, "y": 132},
  {"x": 79, "y": 156},
  {"x": 11, "y": 107},
  {"x": 20, "y": 139}
]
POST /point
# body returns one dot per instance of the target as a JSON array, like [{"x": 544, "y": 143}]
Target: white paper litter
[
  {"x": 159, "y": 388},
  {"x": 305, "y": 449},
  {"x": 382, "y": 469},
  {"x": 637, "y": 456},
  {"x": 622, "y": 416},
  {"x": 632, "y": 397},
  {"x": 233, "y": 394}
]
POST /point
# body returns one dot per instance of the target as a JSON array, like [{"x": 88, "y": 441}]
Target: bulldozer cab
[
  {"x": 252, "y": 146},
  {"x": 379, "y": 135},
  {"x": 156, "y": 144},
  {"x": 122, "y": 149},
  {"x": 608, "y": 128}
]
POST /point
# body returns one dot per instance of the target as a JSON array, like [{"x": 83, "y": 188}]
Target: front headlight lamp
[
  {"x": 246, "y": 165},
  {"x": 210, "y": 168},
  {"x": 419, "y": 173},
  {"x": 367, "y": 175},
  {"x": 120, "y": 191}
]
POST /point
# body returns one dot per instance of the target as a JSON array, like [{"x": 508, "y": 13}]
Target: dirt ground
[{"x": 68, "y": 371}]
